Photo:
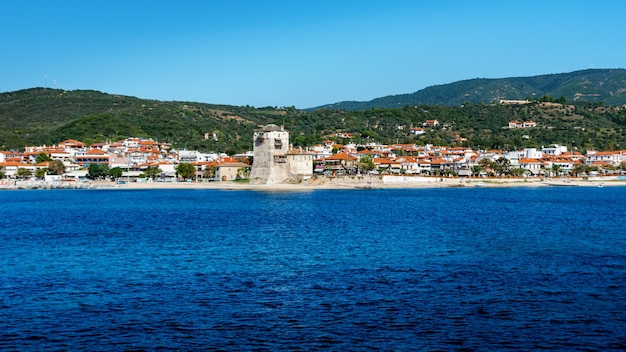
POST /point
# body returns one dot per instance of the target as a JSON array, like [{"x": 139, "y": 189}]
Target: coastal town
[{"x": 275, "y": 161}]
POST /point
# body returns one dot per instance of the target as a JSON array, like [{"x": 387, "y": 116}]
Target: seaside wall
[
  {"x": 373, "y": 180},
  {"x": 388, "y": 179}
]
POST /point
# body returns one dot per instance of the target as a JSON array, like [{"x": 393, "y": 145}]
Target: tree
[
  {"x": 56, "y": 167},
  {"x": 186, "y": 170},
  {"x": 97, "y": 171},
  {"x": 152, "y": 171},
  {"x": 609, "y": 169},
  {"x": 243, "y": 173},
  {"x": 477, "y": 169},
  {"x": 502, "y": 166},
  {"x": 556, "y": 169},
  {"x": 517, "y": 171},
  {"x": 41, "y": 173},
  {"x": 42, "y": 157},
  {"x": 488, "y": 166},
  {"x": 366, "y": 164},
  {"x": 23, "y": 172},
  {"x": 116, "y": 172},
  {"x": 209, "y": 172},
  {"x": 579, "y": 169}
]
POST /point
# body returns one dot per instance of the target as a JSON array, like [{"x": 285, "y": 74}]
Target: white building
[
  {"x": 611, "y": 158},
  {"x": 532, "y": 153},
  {"x": 554, "y": 150}
]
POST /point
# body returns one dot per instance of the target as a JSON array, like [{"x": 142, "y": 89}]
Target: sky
[{"x": 302, "y": 53}]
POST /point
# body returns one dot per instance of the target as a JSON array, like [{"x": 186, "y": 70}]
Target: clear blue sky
[{"x": 301, "y": 53}]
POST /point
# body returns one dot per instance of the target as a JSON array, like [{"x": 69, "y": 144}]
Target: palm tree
[
  {"x": 579, "y": 169},
  {"x": 477, "y": 169},
  {"x": 487, "y": 165},
  {"x": 517, "y": 171}
]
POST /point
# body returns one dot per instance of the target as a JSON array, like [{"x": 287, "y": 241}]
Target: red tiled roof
[
  {"x": 341, "y": 156},
  {"x": 96, "y": 151}
]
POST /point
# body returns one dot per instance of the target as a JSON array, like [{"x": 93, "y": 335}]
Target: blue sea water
[{"x": 411, "y": 269}]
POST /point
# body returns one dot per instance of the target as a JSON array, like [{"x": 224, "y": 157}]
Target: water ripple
[{"x": 430, "y": 270}]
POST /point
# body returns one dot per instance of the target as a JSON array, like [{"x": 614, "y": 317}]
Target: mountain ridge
[
  {"x": 45, "y": 116},
  {"x": 590, "y": 85}
]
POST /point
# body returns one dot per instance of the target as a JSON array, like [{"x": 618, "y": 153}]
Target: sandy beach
[{"x": 346, "y": 182}]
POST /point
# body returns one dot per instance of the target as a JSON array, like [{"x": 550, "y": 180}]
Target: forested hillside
[
  {"x": 593, "y": 85},
  {"x": 47, "y": 116}
]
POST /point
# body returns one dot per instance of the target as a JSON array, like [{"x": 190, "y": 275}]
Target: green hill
[
  {"x": 593, "y": 85},
  {"x": 47, "y": 116}
]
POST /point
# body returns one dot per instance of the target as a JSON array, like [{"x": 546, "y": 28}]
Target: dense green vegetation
[
  {"x": 47, "y": 116},
  {"x": 592, "y": 86}
]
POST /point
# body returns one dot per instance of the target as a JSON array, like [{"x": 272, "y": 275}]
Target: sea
[{"x": 463, "y": 269}]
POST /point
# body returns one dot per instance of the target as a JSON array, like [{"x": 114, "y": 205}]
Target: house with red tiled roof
[
  {"x": 372, "y": 153},
  {"x": 147, "y": 142},
  {"x": 142, "y": 155},
  {"x": 344, "y": 135},
  {"x": 340, "y": 163},
  {"x": 431, "y": 123},
  {"x": 573, "y": 156},
  {"x": 461, "y": 152},
  {"x": 11, "y": 167},
  {"x": 432, "y": 165},
  {"x": 92, "y": 156},
  {"x": 613, "y": 158},
  {"x": 417, "y": 131},
  {"x": 409, "y": 164},
  {"x": 117, "y": 148},
  {"x": 383, "y": 163},
  {"x": 565, "y": 165},
  {"x": 30, "y": 157},
  {"x": 531, "y": 165},
  {"x": 10, "y": 155},
  {"x": 72, "y": 144},
  {"x": 101, "y": 145}
]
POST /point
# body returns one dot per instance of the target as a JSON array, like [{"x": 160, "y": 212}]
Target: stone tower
[{"x": 271, "y": 144}]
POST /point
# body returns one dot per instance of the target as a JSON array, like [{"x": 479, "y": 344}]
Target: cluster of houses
[
  {"x": 461, "y": 161},
  {"x": 277, "y": 161},
  {"x": 132, "y": 155}
]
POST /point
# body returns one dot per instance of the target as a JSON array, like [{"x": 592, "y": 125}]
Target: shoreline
[{"x": 331, "y": 183}]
